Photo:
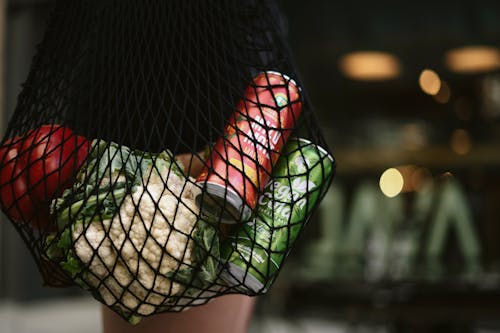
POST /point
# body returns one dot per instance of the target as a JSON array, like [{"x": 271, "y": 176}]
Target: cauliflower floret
[{"x": 130, "y": 256}]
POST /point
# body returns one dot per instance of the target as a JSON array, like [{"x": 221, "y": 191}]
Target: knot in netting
[{"x": 162, "y": 153}]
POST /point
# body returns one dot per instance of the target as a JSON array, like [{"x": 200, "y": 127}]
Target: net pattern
[{"x": 162, "y": 153}]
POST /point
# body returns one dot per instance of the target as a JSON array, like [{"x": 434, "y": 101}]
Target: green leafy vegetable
[{"x": 126, "y": 206}]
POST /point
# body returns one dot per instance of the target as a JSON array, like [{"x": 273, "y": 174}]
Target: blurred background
[{"x": 408, "y": 237}]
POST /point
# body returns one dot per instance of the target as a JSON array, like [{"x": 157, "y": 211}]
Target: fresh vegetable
[
  {"x": 35, "y": 168},
  {"x": 53, "y": 154},
  {"x": 129, "y": 230},
  {"x": 16, "y": 202}
]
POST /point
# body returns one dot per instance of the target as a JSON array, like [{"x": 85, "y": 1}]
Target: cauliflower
[{"x": 130, "y": 232}]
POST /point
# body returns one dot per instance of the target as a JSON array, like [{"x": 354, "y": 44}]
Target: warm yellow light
[
  {"x": 406, "y": 172},
  {"x": 391, "y": 182},
  {"x": 429, "y": 81},
  {"x": 473, "y": 59},
  {"x": 414, "y": 177},
  {"x": 444, "y": 93},
  {"x": 461, "y": 142},
  {"x": 447, "y": 174},
  {"x": 370, "y": 66},
  {"x": 419, "y": 177}
]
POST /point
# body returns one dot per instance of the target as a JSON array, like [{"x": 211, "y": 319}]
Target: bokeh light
[
  {"x": 461, "y": 142},
  {"x": 429, "y": 82},
  {"x": 473, "y": 59},
  {"x": 444, "y": 93},
  {"x": 391, "y": 182},
  {"x": 370, "y": 66}
]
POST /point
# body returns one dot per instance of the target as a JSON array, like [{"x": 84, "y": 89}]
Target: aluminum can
[
  {"x": 240, "y": 162},
  {"x": 255, "y": 253}
]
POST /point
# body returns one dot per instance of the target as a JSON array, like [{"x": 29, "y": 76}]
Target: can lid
[
  {"x": 320, "y": 149},
  {"x": 241, "y": 279},
  {"x": 285, "y": 76},
  {"x": 221, "y": 202}
]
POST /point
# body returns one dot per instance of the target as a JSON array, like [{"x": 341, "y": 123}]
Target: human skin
[
  {"x": 192, "y": 163},
  {"x": 225, "y": 314}
]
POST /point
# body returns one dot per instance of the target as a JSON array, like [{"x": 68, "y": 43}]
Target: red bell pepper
[
  {"x": 37, "y": 168},
  {"x": 53, "y": 156},
  {"x": 16, "y": 202}
]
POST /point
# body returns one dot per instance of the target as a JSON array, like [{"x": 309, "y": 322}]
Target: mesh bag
[{"x": 162, "y": 153}]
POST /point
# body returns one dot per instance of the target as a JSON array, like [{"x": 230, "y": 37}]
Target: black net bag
[{"x": 162, "y": 153}]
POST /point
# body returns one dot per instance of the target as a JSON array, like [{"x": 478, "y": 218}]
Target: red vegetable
[
  {"x": 53, "y": 156},
  {"x": 16, "y": 202},
  {"x": 36, "y": 168}
]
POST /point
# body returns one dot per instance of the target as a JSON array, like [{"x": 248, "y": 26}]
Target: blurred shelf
[
  {"x": 410, "y": 302},
  {"x": 360, "y": 160}
]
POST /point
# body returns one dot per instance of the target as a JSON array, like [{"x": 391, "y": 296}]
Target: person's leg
[{"x": 225, "y": 314}]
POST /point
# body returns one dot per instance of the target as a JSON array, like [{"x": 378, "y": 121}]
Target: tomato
[
  {"x": 14, "y": 196},
  {"x": 53, "y": 156}
]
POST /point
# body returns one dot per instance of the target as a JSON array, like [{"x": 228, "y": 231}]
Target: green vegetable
[{"x": 130, "y": 232}]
